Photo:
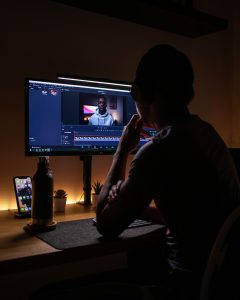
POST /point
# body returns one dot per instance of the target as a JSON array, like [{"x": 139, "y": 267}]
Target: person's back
[{"x": 194, "y": 178}]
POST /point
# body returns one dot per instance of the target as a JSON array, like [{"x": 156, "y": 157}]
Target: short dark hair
[
  {"x": 166, "y": 71},
  {"x": 102, "y": 97}
]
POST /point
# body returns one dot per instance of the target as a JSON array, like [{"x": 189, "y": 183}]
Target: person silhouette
[{"x": 186, "y": 170}]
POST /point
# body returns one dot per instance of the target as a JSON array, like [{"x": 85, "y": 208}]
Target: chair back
[{"x": 221, "y": 279}]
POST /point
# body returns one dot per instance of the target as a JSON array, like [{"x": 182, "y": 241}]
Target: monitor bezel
[{"x": 78, "y": 152}]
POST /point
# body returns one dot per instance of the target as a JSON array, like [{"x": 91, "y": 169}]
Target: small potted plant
[
  {"x": 60, "y": 199},
  {"x": 97, "y": 186}
]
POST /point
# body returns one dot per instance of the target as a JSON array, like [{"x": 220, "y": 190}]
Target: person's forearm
[
  {"x": 117, "y": 172},
  {"x": 128, "y": 142},
  {"x": 118, "y": 167}
]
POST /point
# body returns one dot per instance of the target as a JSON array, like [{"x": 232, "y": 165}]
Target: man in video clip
[{"x": 101, "y": 116}]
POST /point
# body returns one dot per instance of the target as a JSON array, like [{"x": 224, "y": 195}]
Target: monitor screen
[{"x": 83, "y": 118}]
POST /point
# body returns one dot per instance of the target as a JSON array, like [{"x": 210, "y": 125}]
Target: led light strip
[{"x": 94, "y": 81}]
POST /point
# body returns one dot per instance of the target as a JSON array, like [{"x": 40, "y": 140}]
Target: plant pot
[
  {"x": 59, "y": 204},
  {"x": 94, "y": 200}
]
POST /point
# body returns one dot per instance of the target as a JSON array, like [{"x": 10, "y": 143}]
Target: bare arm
[
  {"x": 107, "y": 213},
  {"x": 116, "y": 172},
  {"x": 114, "y": 216}
]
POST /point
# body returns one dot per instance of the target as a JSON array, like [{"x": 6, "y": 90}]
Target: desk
[
  {"x": 26, "y": 262},
  {"x": 15, "y": 243}
]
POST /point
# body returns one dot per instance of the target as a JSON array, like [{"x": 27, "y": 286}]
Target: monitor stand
[{"x": 87, "y": 174}]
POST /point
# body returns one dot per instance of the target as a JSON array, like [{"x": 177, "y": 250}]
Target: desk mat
[{"x": 78, "y": 233}]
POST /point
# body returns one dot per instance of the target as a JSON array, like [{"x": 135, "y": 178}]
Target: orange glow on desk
[{"x": 6, "y": 203}]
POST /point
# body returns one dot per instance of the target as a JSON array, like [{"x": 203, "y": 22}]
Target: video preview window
[{"x": 96, "y": 109}]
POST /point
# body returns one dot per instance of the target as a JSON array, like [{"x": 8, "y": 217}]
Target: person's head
[
  {"x": 102, "y": 104},
  {"x": 164, "y": 74}
]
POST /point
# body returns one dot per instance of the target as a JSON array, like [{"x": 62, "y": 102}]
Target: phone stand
[{"x": 22, "y": 216}]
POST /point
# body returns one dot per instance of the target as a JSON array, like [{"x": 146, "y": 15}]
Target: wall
[
  {"x": 235, "y": 48},
  {"x": 43, "y": 38},
  {"x": 219, "y": 68}
]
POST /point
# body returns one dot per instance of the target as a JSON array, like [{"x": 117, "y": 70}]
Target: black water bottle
[{"x": 42, "y": 202}]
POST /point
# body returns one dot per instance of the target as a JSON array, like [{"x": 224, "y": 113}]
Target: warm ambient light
[
  {"x": 92, "y": 81},
  {"x": 10, "y": 204},
  {"x": 6, "y": 203}
]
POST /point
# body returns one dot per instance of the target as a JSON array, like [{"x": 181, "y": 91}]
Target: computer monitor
[{"x": 63, "y": 118}]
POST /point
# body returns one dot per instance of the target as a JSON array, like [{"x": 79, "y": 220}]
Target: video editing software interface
[{"x": 82, "y": 118}]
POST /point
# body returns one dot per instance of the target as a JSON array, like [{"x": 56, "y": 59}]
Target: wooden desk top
[
  {"x": 21, "y": 251},
  {"x": 16, "y": 243}
]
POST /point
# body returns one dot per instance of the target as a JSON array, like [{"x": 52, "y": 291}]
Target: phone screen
[{"x": 23, "y": 191}]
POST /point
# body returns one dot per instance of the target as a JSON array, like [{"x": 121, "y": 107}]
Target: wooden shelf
[{"x": 172, "y": 18}]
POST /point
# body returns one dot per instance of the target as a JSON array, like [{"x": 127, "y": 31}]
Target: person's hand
[
  {"x": 114, "y": 191},
  {"x": 131, "y": 135}
]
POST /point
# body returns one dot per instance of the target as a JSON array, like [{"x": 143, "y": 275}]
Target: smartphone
[{"x": 23, "y": 192}]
